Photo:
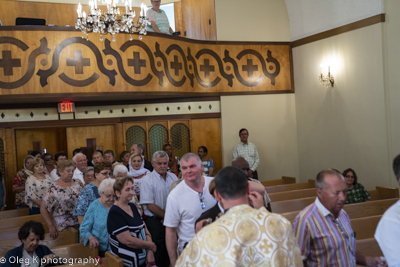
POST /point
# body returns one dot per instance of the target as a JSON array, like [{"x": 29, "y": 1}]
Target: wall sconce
[{"x": 326, "y": 80}]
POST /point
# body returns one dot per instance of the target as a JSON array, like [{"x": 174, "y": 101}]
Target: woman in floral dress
[
  {"x": 36, "y": 186},
  {"x": 60, "y": 200}
]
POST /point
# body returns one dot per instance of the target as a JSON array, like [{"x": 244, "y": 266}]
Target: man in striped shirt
[{"x": 323, "y": 230}]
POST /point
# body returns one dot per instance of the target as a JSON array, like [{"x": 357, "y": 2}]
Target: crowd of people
[{"x": 173, "y": 212}]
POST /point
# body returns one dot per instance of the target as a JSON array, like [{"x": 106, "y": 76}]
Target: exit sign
[{"x": 66, "y": 107}]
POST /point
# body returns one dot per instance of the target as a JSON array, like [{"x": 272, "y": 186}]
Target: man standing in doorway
[
  {"x": 248, "y": 151},
  {"x": 154, "y": 191}
]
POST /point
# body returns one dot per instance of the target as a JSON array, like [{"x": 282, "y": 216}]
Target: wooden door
[{"x": 199, "y": 19}]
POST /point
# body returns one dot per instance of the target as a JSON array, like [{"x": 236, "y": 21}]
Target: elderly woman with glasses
[
  {"x": 90, "y": 192},
  {"x": 94, "y": 225},
  {"x": 355, "y": 191}
]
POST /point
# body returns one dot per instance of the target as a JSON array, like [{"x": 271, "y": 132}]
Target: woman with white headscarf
[{"x": 137, "y": 171}]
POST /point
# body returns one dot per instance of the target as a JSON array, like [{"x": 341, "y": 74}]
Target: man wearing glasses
[
  {"x": 185, "y": 204},
  {"x": 323, "y": 229}
]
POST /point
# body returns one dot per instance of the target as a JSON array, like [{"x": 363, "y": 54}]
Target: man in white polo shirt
[
  {"x": 80, "y": 163},
  {"x": 185, "y": 204},
  {"x": 154, "y": 190}
]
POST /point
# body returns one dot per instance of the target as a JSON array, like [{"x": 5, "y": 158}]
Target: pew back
[
  {"x": 11, "y": 233},
  {"x": 108, "y": 261},
  {"x": 365, "y": 227},
  {"x": 14, "y": 213},
  {"x": 284, "y": 180},
  {"x": 369, "y": 247},
  {"x": 377, "y": 194},
  {"x": 357, "y": 210},
  {"x": 291, "y": 205},
  {"x": 75, "y": 251},
  {"x": 290, "y": 187},
  {"x": 64, "y": 238},
  {"x": 295, "y": 194},
  {"x": 19, "y": 221}
]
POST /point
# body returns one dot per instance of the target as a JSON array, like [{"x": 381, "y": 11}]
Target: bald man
[{"x": 255, "y": 185}]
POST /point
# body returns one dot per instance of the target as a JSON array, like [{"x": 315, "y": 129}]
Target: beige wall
[
  {"x": 252, "y": 20},
  {"x": 271, "y": 122},
  {"x": 391, "y": 40},
  {"x": 344, "y": 126}
]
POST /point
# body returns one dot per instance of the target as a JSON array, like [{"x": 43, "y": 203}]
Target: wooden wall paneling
[
  {"x": 54, "y": 13},
  {"x": 119, "y": 140},
  {"x": 105, "y": 136},
  {"x": 11, "y": 166},
  {"x": 207, "y": 132},
  {"x": 62, "y": 140},
  {"x": 179, "y": 23},
  {"x": 197, "y": 16},
  {"x": 48, "y": 138}
]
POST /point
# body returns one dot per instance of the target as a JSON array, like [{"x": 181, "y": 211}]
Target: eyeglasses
[
  {"x": 48, "y": 159},
  {"x": 105, "y": 173},
  {"x": 349, "y": 176},
  {"x": 201, "y": 197}
]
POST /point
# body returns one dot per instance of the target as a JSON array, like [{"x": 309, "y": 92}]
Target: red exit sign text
[{"x": 66, "y": 107}]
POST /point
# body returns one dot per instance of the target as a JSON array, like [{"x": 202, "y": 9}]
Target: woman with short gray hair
[{"x": 94, "y": 224}]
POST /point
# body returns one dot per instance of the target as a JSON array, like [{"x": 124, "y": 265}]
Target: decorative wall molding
[
  {"x": 37, "y": 62},
  {"x": 114, "y": 111}
]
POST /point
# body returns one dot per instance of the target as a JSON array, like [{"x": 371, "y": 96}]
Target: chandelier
[{"x": 111, "y": 21}]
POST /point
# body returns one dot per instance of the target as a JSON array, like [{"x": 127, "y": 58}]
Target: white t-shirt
[
  {"x": 53, "y": 175},
  {"x": 78, "y": 175},
  {"x": 184, "y": 208},
  {"x": 388, "y": 234}
]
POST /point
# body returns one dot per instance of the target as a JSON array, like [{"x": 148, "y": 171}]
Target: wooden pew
[
  {"x": 108, "y": 261},
  {"x": 290, "y": 187},
  {"x": 294, "y": 194},
  {"x": 284, "y": 180},
  {"x": 382, "y": 192},
  {"x": 358, "y": 210},
  {"x": 63, "y": 238},
  {"x": 379, "y": 193},
  {"x": 14, "y": 213},
  {"x": 77, "y": 250},
  {"x": 19, "y": 221},
  {"x": 365, "y": 227},
  {"x": 291, "y": 205},
  {"x": 369, "y": 247},
  {"x": 11, "y": 233}
]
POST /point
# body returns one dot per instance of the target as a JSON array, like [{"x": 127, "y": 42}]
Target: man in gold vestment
[{"x": 243, "y": 236}]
